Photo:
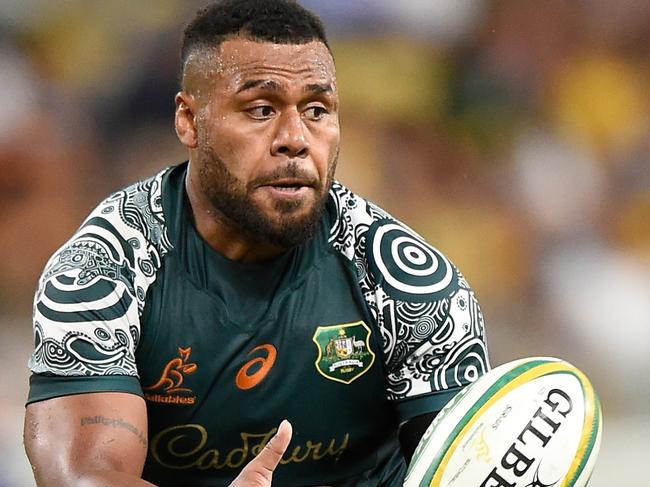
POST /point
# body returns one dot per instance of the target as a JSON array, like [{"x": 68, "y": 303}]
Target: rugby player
[{"x": 195, "y": 311}]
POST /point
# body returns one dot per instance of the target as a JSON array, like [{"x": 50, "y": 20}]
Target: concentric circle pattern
[{"x": 408, "y": 265}]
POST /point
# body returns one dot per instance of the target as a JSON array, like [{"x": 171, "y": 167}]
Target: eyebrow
[
  {"x": 319, "y": 89},
  {"x": 264, "y": 84},
  {"x": 270, "y": 85}
]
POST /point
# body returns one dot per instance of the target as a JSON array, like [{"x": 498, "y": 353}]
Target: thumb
[
  {"x": 259, "y": 472},
  {"x": 270, "y": 456}
]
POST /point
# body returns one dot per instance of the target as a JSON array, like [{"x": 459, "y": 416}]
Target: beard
[{"x": 231, "y": 198}]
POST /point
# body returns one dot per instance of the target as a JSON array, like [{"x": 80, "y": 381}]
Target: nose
[{"x": 290, "y": 138}]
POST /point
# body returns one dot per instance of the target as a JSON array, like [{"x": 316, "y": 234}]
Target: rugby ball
[{"x": 533, "y": 422}]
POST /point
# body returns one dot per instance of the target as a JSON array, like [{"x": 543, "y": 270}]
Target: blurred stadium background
[{"x": 513, "y": 134}]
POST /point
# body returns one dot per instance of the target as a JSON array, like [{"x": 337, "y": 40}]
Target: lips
[
  {"x": 288, "y": 184},
  {"x": 287, "y": 190},
  {"x": 292, "y": 180}
]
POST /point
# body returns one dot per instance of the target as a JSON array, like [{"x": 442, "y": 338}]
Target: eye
[
  {"x": 263, "y": 112},
  {"x": 316, "y": 112}
]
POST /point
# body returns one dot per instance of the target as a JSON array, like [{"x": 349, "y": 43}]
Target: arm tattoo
[{"x": 115, "y": 423}]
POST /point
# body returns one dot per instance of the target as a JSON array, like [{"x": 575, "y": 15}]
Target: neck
[{"x": 221, "y": 233}]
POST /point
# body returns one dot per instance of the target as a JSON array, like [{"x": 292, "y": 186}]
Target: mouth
[
  {"x": 287, "y": 185},
  {"x": 288, "y": 190}
]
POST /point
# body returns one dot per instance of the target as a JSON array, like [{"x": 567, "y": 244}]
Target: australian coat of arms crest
[{"x": 344, "y": 352}]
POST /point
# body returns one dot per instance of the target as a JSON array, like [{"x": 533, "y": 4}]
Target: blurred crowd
[{"x": 512, "y": 134}]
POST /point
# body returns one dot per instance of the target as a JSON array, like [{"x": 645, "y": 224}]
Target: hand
[{"x": 259, "y": 471}]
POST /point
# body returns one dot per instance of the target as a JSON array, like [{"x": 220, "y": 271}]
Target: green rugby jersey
[{"x": 346, "y": 336}]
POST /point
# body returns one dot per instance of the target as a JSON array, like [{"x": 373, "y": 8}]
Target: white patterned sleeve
[
  {"x": 87, "y": 306},
  {"x": 432, "y": 327}
]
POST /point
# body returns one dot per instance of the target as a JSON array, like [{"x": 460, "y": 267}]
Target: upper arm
[
  {"x": 430, "y": 319},
  {"x": 90, "y": 297},
  {"x": 67, "y": 438},
  {"x": 427, "y": 316},
  {"x": 85, "y": 411}
]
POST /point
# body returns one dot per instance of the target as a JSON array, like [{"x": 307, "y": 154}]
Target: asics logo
[{"x": 256, "y": 369}]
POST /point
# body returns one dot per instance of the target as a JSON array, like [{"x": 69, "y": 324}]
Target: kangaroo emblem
[{"x": 174, "y": 373}]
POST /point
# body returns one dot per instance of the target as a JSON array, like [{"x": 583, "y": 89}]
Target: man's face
[{"x": 267, "y": 137}]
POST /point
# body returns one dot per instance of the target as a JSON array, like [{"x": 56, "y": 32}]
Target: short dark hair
[{"x": 276, "y": 21}]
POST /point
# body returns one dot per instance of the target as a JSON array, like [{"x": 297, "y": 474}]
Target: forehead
[{"x": 240, "y": 60}]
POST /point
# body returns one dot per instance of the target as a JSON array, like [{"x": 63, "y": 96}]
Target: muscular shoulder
[
  {"x": 353, "y": 216},
  {"x": 125, "y": 235},
  {"x": 134, "y": 213},
  {"x": 394, "y": 255}
]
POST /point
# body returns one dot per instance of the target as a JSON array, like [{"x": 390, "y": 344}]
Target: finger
[
  {"x": 270, "y": 456},
  {"x": 259, "y": 472}
]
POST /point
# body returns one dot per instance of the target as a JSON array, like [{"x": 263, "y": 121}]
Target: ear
[{"x": 185, "y": 119}]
